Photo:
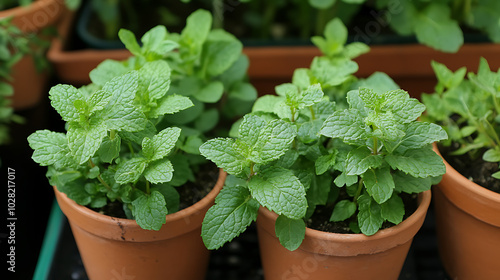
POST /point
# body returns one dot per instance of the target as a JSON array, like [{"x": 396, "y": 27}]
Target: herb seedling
[
  {"x": 113, "y": 150},
  {"x": 388, "y": 152},
  {"x": 468, "y": 109}
]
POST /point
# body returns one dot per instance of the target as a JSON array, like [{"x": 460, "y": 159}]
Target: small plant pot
[
  {"x": 468, "y": 227},
  {"x": 325, "y": 255},
  {"x": 113, "y": 248},
  {"x": 29, "y": 84}
]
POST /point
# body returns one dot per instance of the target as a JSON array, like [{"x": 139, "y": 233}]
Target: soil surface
[
  {"x": 189, "y": 193},
  {"x": 477, "y": 170},
  {"x": 320, "y": 220}
]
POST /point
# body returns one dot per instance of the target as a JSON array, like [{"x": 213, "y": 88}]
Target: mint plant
[
  {"x": 113, "y": 150},
  {"x": 468, "y": 109},
  {"x": 387, "y": 152},
  {"x": 270, "y": 164},
  {"x": 207, "y": 66}
]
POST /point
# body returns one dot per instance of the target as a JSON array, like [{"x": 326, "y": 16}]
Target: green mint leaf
[
  {"x": 361, "y": 159},
  {"x": 309, "y": 131},
  {"x": 369, "y": 216},
  {"x": 50, "y": 148},
  {"x": 170, "y": 195},
  {"x": 137, "y": 137},
  {"x": 170, "y": 104},
  {"x": 446, "y": 77},
  {"x": 268, "y": 103},
  {"x": 273, "y": 141},
  {"x": 379, "y": 184},
  {"x": 379, "y": 82},
  {"x": 323, "y": 163},
  {"x": 98, "y": 100},
  {"x": 406, "y": 109},
  {"x": 233, "y": 212},
  {"x": 419, "y": 134},
  {"x": 250, "y": 128},
  {"x": 154, "y": 78},
  {"x": 492, "y": 155},
  {"x": 290, "y": 232},
  {"x": 130, "y": 41},
  {"x": 343, "y": 210},
  {"x": 76, "y": 192},
  {"x": 162, "y": 143},
  {"x": 183, "y": 171},
  {"x": 198, "y": 26},
  {"x": 224, "y": 154},
  {"x": 280, "y": 191},
  {"x": 62, "y": 99},
  {"x": 419, "y": 163},
  {"x": 150, "y": 210},
  {"x": 409, "y": 184},
  {"x": 207, "y": 120},
  {"x": 123, "y": 89},
  {"x": 109, "y": 149},
  {"x": 220, "y": 51},
  {"x": 155, "y": 46},
  {"x": 210, "y": 93},
  {"x": 347, "y": 125},
  {"x": 130, "y": 171},
  {"x": 125, "y": 117},
  {"x": 434, "y": 27},
  {"x": 345, "y": 180},
  {"x": 160, "y": 171},
  {"x": 393, "y": 209},
  {"x": 330, "y": 73},
  {"x": 106, "y": 71},
  {"x": 84, "y": 140}
]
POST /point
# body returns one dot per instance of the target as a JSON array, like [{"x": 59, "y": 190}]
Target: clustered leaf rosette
[
  {"x": 469, "y": 111},
  {"x": 388, "y": 152},
  {"x": 207, "y": 66},
  {"x": 113, "y": 149}
]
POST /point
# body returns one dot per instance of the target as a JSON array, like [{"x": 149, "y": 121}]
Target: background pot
[
  {"x": 468, "y": 227},
  {"x": 112, "y": 248},
  {"x": 325, "y": 255},
  {"x": 29, "y": 84}
]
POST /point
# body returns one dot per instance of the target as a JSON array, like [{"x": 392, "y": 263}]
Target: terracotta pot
[
  {"x": 29, "y": 84},
  {"x": 325, "y": 255},
  {"x": 468, "y": 227},
  {"x": 409, "y": 64},
  {"x": 113, "y": 248}
]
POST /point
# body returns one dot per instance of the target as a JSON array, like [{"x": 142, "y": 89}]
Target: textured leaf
[
  {"x": 290, "y": 232},
  {"x": 50, "y": 148},
  {"x": 62, "y": 99},
  {"x": 346, "y": 125},
  {"x": 409, "y": 184},
  {"x": 280, "y": 191},
  {"x": 210, "y": 93},
  {"x": 107, "y": 70},
  {"x": 155, "y": 79},
  {"x": 124, "y": 117},
  {"x": 109, "y": 149},
  {"x": 343, "y": 210},
  {"x": 273, "y": 141},
  {"x": 160, "y": 171},
  {"x": 393, "y": 209},
  {"x": 325, "y": 162},
  {"x": 170, "y": 104},
  {"x": 233, "y": 212},
  {"x": 361, "y": 159},
  {"x": 223, "y": 153},
  {"x": 130, "y": 41},
  {"x": 83, "y": 141},
  {"x": 170, "y": 195},
  {"x": 379, "y": 183},
  {"x": 369, "y": 216},
  {"x": 163, "y": 142},
  {"x": 419, "y": 163},
  {"x": 419, "y": 134},
  {"x": 220, "y": 51},
  {"x": 123, "y": 89},
  {"x": 150, "y": 211},
  {"x": 130, "y": 171}
]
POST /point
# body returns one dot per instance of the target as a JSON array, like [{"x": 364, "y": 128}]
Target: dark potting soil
[
  {"x": 476, "y": 170},
  {"x": 320, "y": 220},
  {"x": 189, "y": 193}
]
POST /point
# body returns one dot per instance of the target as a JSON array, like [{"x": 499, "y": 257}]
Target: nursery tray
[{"x": 239, "y": 260}]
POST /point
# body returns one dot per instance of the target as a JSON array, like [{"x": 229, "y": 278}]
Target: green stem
[
  {"x": 313, "y": 115},
  {"x": 112, "y": 134},
  {"x": 218, "y": 11},
  {"x": 148, "y": 188},
  {"x": 131, "y": 148},
  {"x": 91, "y": 163},
  {"x": 375, "y": 145},
  {"x": 358, "y": 192}
]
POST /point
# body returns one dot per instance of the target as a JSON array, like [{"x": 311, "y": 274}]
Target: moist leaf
[
  {"x": 290, "y": 232},
  {"x": 233, "y": 212},
  {"x": 369, "y": 216},
  {"x": 343, "y": 210},
  {"x": 280, "y": 191}
]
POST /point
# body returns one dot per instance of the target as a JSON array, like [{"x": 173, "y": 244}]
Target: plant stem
[
  {"x": 358, "y": 192},
  {"x": 313, "y": 116},
  {"x": 148, "y": 189},
  {"x": 375, "y": 145},
  {"x": 91, "y": 163},
  {"x": 112, "y": 134},
  {"x": 218, "y": 11}
]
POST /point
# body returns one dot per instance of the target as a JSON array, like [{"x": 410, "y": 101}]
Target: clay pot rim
[
  {"x": 357, "y": 244},
  {"x": 120, "y": 229},
  {"x": 37, "y": 5},
  {"x": 472, "y": 198}
]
